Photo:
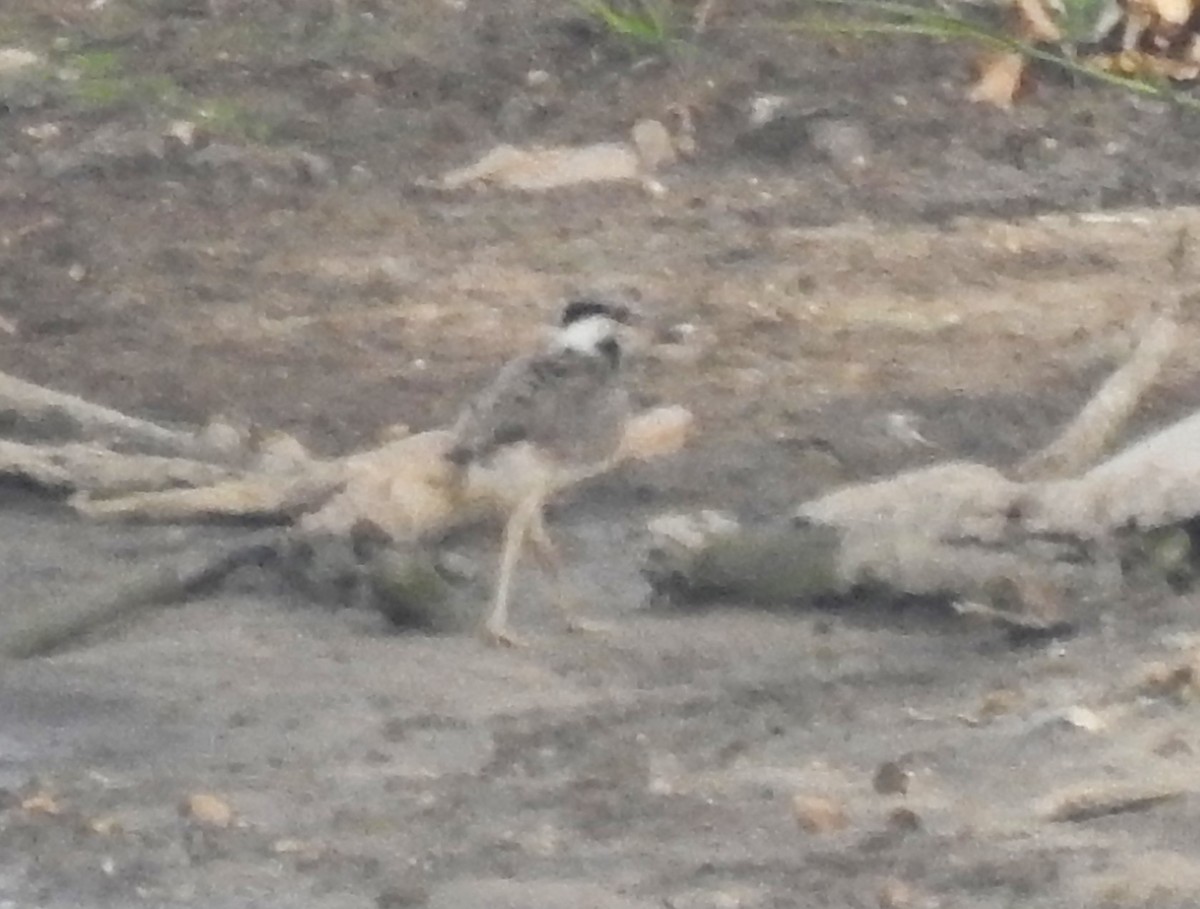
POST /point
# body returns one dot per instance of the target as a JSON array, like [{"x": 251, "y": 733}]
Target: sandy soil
[{"x": 980, "y": 273}]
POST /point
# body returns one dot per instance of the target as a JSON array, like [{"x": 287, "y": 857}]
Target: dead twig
[
  {"x": 33, "y": 405},
  {"x": 53, "y": 626},
  {"x": 87, "y": 468},
  {"x": 1088, "y": 436}
]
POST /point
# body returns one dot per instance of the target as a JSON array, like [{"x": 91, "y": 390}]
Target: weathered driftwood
[
  {"x": 102, "y": 471},
  {"x": 405, "y": 488},
  {"x": 1010, "y": 547},
  {"x": 43, "y": 412},
  {"x": 1092, "y": 432},
  {"x": 359, "y": 528}
]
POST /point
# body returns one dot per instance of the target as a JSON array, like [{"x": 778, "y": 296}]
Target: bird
[{"x": 550, "y": 419}]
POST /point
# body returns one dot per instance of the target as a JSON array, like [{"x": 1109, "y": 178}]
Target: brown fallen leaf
[
  {"x": 1000, "y": 79},
  {"x": 818, "y": 814},
  {"x": 207, "y": 810}
]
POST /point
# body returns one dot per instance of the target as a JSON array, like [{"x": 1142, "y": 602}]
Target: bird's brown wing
[{"x": 548, "y": 399}]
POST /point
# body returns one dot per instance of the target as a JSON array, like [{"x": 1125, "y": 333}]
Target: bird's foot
[{"x": 501, "y": 637}]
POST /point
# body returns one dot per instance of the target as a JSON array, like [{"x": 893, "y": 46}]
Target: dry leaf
[
  {"x": 1000, "y": 78},
  {"x": 1036, "y": 22}
]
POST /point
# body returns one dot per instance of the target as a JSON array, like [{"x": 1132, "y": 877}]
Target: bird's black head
[{"x": 585, "y": 307}]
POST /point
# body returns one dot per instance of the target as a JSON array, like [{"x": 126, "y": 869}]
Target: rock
[
  {"x": 818, "y": 814},
  {"x": 891, "y": 779},
  {"x": 25, "y": 79},
  {"x": 41, "y": 803},
  {"x": 845, "y": 143},
  {"x": 15, "y": 59},
  {"x": 1083, "y": 718},
  {"x": 654, "y": 145},
  {"x": 904, "y": 820},
  {"x": 765, "y": 108}
]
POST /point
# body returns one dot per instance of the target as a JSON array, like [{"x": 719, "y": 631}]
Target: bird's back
[{"x": 568, "y": 404}]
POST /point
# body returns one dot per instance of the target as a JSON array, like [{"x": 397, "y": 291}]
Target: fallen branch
[
  {"x": 42, "y": 412},
  {"x": 101, "y": 471},
  {"x": 1013, "y": 550},
  {"x": 54, "y": 625},
  {"x": 408, "y": 585},
  {"x": 1087, "y": 436},
  {"x": 364, "y": 526}
]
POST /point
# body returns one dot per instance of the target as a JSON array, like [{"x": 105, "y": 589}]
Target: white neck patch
[{"x": 585, "y": 335}]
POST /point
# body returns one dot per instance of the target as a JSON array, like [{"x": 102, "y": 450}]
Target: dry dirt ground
[{"x": 332, "y": 296}]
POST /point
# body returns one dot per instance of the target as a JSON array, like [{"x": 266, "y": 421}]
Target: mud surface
[{"x": 977, "y": 272}]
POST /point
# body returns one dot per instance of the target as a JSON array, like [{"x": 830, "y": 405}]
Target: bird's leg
[
  {"x": 515, "y": 531},
  {"x": 565, "y": 595}
]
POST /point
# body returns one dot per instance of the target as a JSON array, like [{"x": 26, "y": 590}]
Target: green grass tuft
[{"x": 650, "y": 23}]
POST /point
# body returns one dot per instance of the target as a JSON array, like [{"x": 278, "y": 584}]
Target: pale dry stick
[
  {"x": 401, "y": 487},
  {"x": 1089, "y": 435},
  {"x": 80, "y": 467},
  {"x": 261, "y": 497},
  {"x": 38, "y": 405}
]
